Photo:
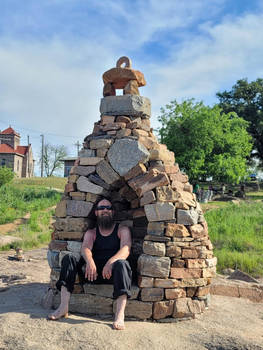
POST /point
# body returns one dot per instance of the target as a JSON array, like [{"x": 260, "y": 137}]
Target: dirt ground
[{"x": 229, "y": 323}]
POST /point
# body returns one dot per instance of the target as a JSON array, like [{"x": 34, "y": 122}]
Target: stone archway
[{"x": 123, "y": 160}]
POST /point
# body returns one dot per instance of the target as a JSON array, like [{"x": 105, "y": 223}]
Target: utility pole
[
  {"x": 78, "y": 145},
  {"x": 28, "y": 170},
  {"x": 42, "y": 155}
]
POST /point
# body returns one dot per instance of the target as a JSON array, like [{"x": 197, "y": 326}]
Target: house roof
[
  {"x": 9, "y": 131},
  {"x": 4, "y": 148}
]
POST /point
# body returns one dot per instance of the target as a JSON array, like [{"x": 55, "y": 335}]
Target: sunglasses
[{"x": 102, "y": 207}]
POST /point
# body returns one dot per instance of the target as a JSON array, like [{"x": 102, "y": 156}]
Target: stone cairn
[{"x": 172, "y": 255}]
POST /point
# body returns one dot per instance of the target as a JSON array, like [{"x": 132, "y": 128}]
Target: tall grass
[
  {"x": 16, "y": 202},
  {"x": 237, "y": 234},
  {"x": 49, "y": 182}
]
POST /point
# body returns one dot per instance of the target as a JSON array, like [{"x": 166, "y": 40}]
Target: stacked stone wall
[{"x": 172, "y": 255}]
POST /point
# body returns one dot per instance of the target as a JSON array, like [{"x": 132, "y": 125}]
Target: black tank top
[{"x": 104, "y": 247}]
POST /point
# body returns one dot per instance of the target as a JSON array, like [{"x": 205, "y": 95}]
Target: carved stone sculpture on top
[{"x": 124, "y": 78}]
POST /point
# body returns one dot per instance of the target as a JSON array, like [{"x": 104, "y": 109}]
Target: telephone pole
[
  {"x": 42, "y": 156},
  {"x": 78, "y": 145}
]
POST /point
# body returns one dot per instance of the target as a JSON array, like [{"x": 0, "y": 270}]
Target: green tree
[
  {"x": 205, "y": 141},
  {"x": 246, "y": 99},
  {"x": 52, "y": 156},
  {"x": 6, "y": 175}
]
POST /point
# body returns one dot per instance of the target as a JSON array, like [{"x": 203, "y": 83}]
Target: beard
[{"x": 105, "y": 221}]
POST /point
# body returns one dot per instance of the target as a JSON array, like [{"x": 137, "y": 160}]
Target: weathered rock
[
  {"x": 131, "y": 88},
  {"x": 91, "y": 197},
  {"x": 178, "y": 262},
  {"x": 181, "y": 308},
  {"x": 155, "y": 228},
  {"x": 106, "y": 290},
  {"x": 144, "y": 282},
  {"x": 79, "y": 208},
  {"x": 61, "y": 209},
  {"x": 123, "y": 119},
  {"x": 162, "y": 309},
  {"x": 72, "y": 178},
  {"x": 193, "y": 282},
  {"x": 197, "y": 231},
  {"x": 123, "y": 133},
  {"x": 88, "y": 304},
  {"x": 53, "y": 259},
  {"x": 77, "y": 236},
  {"x": 91, "y": 161},
  {"x": 165, "y": 194},
  {"x": 147, "y": 198},
  {"x": 139, "y": 169},
  {"x": 58, "y": 245},
  {"x": 84, "y": 153},
  {"x": 187, "y": 217},
  {"x": 138, "y": 309},
  {"x": 78, "y": 196},
  {"x": 84, "y": 170},
  {"x": 101, "y": 152},
  {"x": 154, "y": 266},
  {"x": 185, "y": 273},
  {"x": 84, "y": 185},
  {"x": 72, "y": 224},
  {"x": 107, "y": 119},
  {"x": 176, "y": 230},
  {"x": 190, "y": 254},
  {"x": 173, "y": 250},
  {"x": 175, "y": 293},
  {"x": 159, "y": 211},
  {"x": 100, "y": 143},
  {"x": 152, "y": 294},
  {"x": 154, "y": 248},
  {"x": 201, "y": 291},
  {"x": 180, "y": 177},
  {"x": 166, "y": 283},
  {"x": 106, "y": 172},
  {"x": 113, "y": 127},
  {"x": 139, "y": 132},
  {"x": 195, "y": 263},
  {"x": 155, "y": 238},
  {"x": 148, "y": 181},
  {"x": 186, "y": 197},
  {"x": 132, "y": 105},
  {"x": 95, "y": 179},
  {"x": 124, "y": 154}
]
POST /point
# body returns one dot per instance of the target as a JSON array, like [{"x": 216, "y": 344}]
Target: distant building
[
  {"x": 68, "y": 164},
  {"x": 12, "y": 155}
]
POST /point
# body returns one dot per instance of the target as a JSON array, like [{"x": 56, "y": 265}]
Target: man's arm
[
  {"x": 86, "y": 252},
  {"x": 125, "y": 247}
]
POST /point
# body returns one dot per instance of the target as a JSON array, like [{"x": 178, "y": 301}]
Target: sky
[{"x": 53, "y": 54}]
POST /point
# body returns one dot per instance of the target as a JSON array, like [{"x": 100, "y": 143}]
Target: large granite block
[
  {"x": 154, "y": 266},
  {"x": 131, "y": 105},
  {"x": 79, "y": 208}
]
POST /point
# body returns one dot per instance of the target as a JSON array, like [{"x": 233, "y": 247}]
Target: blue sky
[{"x": 54, "y": 52}]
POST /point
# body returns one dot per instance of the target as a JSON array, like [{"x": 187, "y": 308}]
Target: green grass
[
  {"x": 237, "y": 234},
  {"x": 37, "y": 197},
  {"x": 49, "y": 182}
]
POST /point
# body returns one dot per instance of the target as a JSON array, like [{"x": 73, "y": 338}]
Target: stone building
[{"x": 12, "y": 155}]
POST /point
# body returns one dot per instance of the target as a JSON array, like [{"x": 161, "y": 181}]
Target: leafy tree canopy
[
  {"x": 6, "y": 175},
  {"x": 205, "y": 141},
  {"x": 246, "y": 99}
]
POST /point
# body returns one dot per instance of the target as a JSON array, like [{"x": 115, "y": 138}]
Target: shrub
[{"x": 6, "y": 175}]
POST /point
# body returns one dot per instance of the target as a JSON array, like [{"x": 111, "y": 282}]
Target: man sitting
[{"x": 104, "y": 250}]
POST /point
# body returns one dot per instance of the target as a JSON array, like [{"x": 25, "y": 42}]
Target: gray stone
[
  {"x": 159, "y": 211},
  {"x": 187, "y": 217},
  {"x": 132, "y": 105},
  {"x": 87, "y": 304},
  {"x": 152, "y": 294},
  {"x": 79, "y": 208},
  {"x": 84, "y": 170},
  {"x": 154, "y": 248},
  {"x": 84, "y": 185},
  {"x": 72, "y": 224},
  {"x": 124, "y": 154},
  {"x": 98, "y": 181},
  {"x": 106, "y": 290},
  {"x": 155, "y": 228},
  {"x": 74, "y": 247},
  {"x": 87, "y": 153},
  {"x": 53, "y": 259},
  {"x": 106, "y": 172},
  {"x": 137, "y": 309},
  {"x": 154, "y": 266}
]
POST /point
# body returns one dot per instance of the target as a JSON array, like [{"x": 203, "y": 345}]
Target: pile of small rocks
[{"x": 124, "y": 161}]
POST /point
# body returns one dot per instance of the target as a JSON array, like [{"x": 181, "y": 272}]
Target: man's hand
[
  {"x": 91, "y": 271},
  {"x": 107, "y": 271}
]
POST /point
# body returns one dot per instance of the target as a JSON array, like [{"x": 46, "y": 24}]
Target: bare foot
[
  {"x": 118, "y": 324},
  {"x": 59, "y": 313}
]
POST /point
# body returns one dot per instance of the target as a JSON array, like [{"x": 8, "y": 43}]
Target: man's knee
[
  {"x": 121, "y": 264},
  {"x": 69, "y": 260}
]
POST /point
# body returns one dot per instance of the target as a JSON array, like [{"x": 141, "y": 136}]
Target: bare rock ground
[{"x": 229, "y": 323}]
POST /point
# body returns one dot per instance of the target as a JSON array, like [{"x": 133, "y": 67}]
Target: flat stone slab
[
  {"x": 106, "y": 290},
  {"x": 132, "y": 105},
  {"x": 154, "y": 266},
  {"x": 78, "y": 208},
  {"x": 124, "y": 154}
]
